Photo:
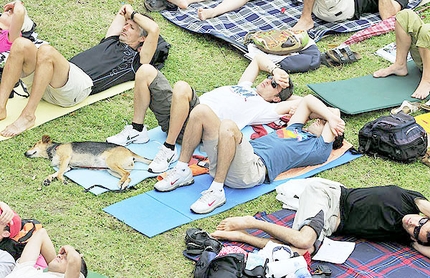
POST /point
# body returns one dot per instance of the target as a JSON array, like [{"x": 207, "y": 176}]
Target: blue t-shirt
[{"x": 290, "y": 147}]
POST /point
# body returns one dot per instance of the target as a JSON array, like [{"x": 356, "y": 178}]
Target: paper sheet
[{"x": 336, "y": 252}]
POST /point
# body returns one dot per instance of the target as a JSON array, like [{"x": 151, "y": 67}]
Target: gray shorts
[
  {"x": 246, "y": 170},
  {"x": 161, "y": 101},
  {"x": 324, "y": 195},
  {"x": 76, "y": 89}
]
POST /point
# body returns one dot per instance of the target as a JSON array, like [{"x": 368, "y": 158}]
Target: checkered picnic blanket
[
  {"x": 369, "y": 259},
  {"x": 261, "y": 15}
]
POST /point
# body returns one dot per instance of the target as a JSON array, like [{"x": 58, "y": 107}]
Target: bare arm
[
  {"x": 425, "y": 250},
  {"x": 151, "y": 40},
  {"x": 262, "y": 63},
  {"x": 73, "y": 261},
  {"x": 6, "y": 214},
  {"x": 18, "y": 11},
  {"x": 424, "y": 206},
  {"x": 118, "y": 22}
]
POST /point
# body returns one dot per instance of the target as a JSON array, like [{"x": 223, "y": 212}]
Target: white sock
[
  {"x": 216, "y": 186},
  {"x": 181, "y": 165}
]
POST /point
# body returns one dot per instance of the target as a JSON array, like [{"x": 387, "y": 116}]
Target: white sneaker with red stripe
[
  {"x": 174, "y": 179},
  {"x": 210, "y": 200}
]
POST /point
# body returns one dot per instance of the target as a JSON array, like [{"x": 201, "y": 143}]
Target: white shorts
[{"x": 76, "y": 89}]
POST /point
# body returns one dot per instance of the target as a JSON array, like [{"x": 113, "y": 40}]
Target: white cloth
[
  {"x": 27, "y": 270},
  {"x": 7, "y": 263},
  {"x": 241, "y": 104}
]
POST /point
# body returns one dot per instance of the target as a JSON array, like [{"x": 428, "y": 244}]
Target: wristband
[
  {"x": 132, "y": 15},
  {"x": 276, "y": 67}
]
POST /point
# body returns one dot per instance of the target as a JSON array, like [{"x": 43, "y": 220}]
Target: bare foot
[
  {"x": 182, "y": 4},
  {"x": 17, "y": 127},
  {"x": 422, "y": 91},
  {"x": 399, "y": 70},
  {"x": 229, "y": 235},
  {"x": 204, "y": 14},
  {"x": 235, "y": 223},
  {"x": 303, "y": 24}
]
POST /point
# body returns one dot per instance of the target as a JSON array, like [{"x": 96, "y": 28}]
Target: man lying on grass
[
  {"x": 130, "y": 41},
  {"x": 238, "y": 163},
  {"x": 381, "y": 213}
]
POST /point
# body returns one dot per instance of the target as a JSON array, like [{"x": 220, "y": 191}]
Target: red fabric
[
  {"x": 259, "y": 131},
  {"x": 377, "y": 29}
]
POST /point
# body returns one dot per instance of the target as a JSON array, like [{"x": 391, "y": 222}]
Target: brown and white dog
[{"x": 117, "y": 160}]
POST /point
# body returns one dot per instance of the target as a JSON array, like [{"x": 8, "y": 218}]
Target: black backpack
[
  {"x": 397, "y": 137},
  {"x": 226, "y": 266}
]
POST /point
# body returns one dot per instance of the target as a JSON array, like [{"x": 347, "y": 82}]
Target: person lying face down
[
  {"x": 380, "y": 213},
  {"x": 238, "y": 163}
]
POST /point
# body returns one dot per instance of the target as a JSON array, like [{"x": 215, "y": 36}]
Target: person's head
[
  {"x": 418, "y": 228},
  {"x": 132, "y": 34},
  {"x": 12, "y": 228},
  {"x": 272, "y": 91},
  {"x": 59, "y": 264}
]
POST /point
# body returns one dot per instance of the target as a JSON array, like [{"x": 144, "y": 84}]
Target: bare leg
[
  {"x": 144, "y": 77},
  {"x": 21, "y": 61},
  {"x": 51, "y": 69},
  {"x": 224, "y": 7},
  {"x": 182, "y": 94},
  {"x": 183, "y": 4},
  {"x": 388, "y": 8},
  {"x": 403, "y": 43},
  {"x": 202, "y": 124},
  {"x": 228, "y": 139},
  {"x": 305, "y": 22},
  {"x": 232, "y": 228},
  {"x": 424, "y": 87}
]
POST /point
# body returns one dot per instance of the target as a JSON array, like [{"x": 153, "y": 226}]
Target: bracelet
[
  {"x": 276, "y": 67},
  {"x": 132, "y": 15}
]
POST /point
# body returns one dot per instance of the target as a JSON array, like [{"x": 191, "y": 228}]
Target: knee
[
  {"x": 146, "y": 73},
  {"x": 45, "y": 53},
  {"x": 182, "y": 90},
  {"x": 229, "y": 129},
  {"x": 21, "y": 45},
  {"x": 200, "y": 111}
]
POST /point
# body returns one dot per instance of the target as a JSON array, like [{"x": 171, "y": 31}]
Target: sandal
[
  {"x": 329, "y": 62},
  {"x": 425, "y": 106},
  {"x": 343, "y": 55},
  {"x": 406, "y": 107}
]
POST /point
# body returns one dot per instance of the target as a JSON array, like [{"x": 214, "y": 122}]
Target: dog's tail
[{"x": 142, "y": 159}]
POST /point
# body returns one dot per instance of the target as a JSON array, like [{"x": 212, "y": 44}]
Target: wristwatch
[{"x": 132, "y": 15}]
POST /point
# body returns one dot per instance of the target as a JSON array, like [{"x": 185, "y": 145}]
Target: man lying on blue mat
[
  {"x": 241, "y": 103},
  {"x": 345, "y": 9},
  {"x": 130, "y": 41},
  {"x": 239, "y": 163},
  {"x": 380, "y": 213},
  {"x": 412, "y": 35}
]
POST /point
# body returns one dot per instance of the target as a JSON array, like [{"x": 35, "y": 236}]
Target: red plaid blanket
[{"x": 369, "y": 259}]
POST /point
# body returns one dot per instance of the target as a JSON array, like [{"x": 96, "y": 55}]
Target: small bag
[
  {"x": 226, "y": 266},
  {"x": 397, "y": 137},
  {"x": 278, "y": 42}
]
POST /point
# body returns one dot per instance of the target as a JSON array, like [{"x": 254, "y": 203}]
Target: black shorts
[{"x": 371, "y": 6}]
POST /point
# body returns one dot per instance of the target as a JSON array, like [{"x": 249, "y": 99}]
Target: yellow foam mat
[{"x": 46, "y": 111}]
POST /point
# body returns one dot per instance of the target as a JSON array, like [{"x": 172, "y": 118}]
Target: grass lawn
[{"x": 74, "y": 217}]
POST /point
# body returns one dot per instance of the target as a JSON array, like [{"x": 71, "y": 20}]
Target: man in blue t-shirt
[
  {"x": 130, "y": 41},
  {"x": 239, "y": 163}
]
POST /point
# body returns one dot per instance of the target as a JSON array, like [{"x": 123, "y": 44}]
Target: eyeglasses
[{"x": 417, "y": 229}]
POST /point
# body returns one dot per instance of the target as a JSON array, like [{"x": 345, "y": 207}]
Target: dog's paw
[{"x": 47, "y": 182}]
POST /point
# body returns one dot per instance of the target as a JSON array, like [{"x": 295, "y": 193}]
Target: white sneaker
[
  {"x": 129, "y": 135},
  {"x": 162, "y": 160},
  {"x": 174, "y": 179},
  {"x": 209, "y": 201}
]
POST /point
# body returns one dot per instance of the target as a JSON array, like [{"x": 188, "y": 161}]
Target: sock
[
  {"x": 216, "y": 186},
  {"x": 138, "y": 127},
  {"x": 169, "y": 146},
  {"x": 181, "y": 165}
]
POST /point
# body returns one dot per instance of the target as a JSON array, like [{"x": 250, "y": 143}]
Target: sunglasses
[
  {"x": 272, "y": 82},
  {"x": 417, "y": 229}
]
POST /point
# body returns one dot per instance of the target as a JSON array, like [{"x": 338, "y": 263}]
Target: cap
[{"x": 287, "y": 92}]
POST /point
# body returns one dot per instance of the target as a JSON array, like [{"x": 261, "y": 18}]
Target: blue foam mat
[{"x": 153, "y": 212}]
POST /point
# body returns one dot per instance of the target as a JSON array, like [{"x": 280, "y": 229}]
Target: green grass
[{"x": 74, "y": 217}]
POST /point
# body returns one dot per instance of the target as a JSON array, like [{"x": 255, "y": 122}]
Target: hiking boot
[
  {"x": 174, "y": 179},
  {"x": 155, "y": 5},
  {"x": 129, "y": 135},
  {"x": 162, "y": 160},
  {"x": 209, "y": 201}
]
